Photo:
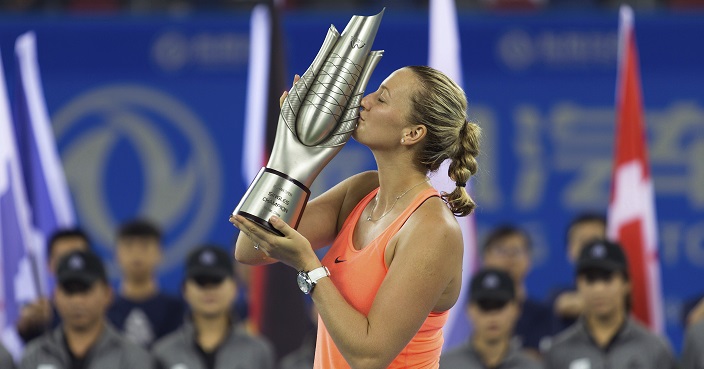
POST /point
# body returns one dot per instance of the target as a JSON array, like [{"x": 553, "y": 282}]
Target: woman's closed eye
[{"x": 380, "y": 98}]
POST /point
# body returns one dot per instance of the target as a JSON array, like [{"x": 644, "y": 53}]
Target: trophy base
[
  {"x": 261, "y": 223},
  {"x": 273, "y": 193}
]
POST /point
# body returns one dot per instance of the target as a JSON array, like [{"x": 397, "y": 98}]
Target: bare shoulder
[
  {"x": 359, "y": 185},
  {"x": 430, "y": 244},
  {"x": 433, "y": 224},
  {"x": 434, "y": 216}
]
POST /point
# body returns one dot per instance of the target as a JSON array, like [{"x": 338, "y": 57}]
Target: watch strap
[{"x": 318, "y": 273}]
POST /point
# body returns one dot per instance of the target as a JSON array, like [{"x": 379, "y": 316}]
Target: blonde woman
[{"x": 384, "y": 288}]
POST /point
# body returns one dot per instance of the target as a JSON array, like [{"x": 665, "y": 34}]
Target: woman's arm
[
  {"x": 321, "y": 220},
  {"x": 428, "y": 257}
]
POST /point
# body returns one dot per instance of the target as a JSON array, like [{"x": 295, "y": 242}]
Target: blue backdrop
[{"x": 148, "y": 113}]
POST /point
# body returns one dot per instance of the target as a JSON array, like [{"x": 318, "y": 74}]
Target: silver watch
[{"x": 307, "y": 280}]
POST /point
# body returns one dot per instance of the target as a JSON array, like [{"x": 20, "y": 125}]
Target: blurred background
[{"x": 148, "y": 98}]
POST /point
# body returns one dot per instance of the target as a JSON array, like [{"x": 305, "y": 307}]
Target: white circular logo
[
  {"x": 76, "y": 262},
  {"x": 174, "y": 175},
  {"x": 491, "y": 281},
  {"x": 207, "y": 258},
  {"x": 599, "y": 251}
]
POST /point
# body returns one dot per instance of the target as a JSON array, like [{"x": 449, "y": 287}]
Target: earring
[{"x": 403, "y": 140}]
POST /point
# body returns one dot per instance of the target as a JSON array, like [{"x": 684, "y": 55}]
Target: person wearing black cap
[
  {"x": 493, "y": 310},
  {"x": 210, "y": 339},
  {"x": 510, "y": 248},
  {"x": 566, "y": 302},
  {"x": 606, "y": 336},
  {"x": 40, "y": 316},
  {"x": 85, "y": 339}
]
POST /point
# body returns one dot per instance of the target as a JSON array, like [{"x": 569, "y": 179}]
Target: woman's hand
[
  {"x": 283, "y": 96},
  {"x": 292, "y": 249}
]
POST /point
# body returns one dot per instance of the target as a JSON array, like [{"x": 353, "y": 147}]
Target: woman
[{"x": 395, "y": 265}]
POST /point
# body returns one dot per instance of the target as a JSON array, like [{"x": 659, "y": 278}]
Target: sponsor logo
[{"x": 131, "y": 150}]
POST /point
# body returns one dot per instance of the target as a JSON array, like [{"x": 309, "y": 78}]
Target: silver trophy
[{"x": 317, "y": 118}]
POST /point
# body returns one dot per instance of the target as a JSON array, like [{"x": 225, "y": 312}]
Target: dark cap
[
  {"x": 209, "y": 261},
  {"x": 83, "y": 267},
  {"x": 602, "y": 255},
  {"x": 491, "y": 284}
]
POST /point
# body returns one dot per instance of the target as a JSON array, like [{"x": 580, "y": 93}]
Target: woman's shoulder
[
  {"x": 358, "y": 186},
  {"x": 434, "y": 212},
  {"x": 434, "y": 220},
  {"x": 368, "y": 179}
]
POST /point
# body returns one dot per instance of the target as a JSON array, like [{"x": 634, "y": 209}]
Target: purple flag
[{"x": 17, "y": 282}]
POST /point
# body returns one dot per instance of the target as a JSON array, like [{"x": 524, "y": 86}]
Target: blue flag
[
  {"x": 34, "y": 197},
  {"x": 17, "y": 281},
  {"x": 46, "y": 187}
]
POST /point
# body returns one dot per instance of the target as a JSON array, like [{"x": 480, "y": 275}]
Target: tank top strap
[{"x": 420, "y": 198}]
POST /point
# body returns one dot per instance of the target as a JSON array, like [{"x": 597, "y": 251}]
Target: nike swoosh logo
[{"x": 337, "y": 260}]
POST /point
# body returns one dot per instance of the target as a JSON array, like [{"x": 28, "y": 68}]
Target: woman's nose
[{"x": 364, "y": 104}]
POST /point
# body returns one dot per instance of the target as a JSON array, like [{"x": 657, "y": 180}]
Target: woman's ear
[{"x": 414, "y": 134}]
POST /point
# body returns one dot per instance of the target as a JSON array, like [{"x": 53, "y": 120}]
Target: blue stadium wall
[{"x": 148, "y": 112}]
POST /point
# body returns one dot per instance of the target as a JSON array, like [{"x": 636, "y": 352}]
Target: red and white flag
[
  {"x": 631, "y": 219},
  {"x": 444, "y": 55}
]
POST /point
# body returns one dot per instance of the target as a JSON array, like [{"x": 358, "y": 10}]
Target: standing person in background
[
  {"x": 493, "y": 310},
  {"x": 606, "y": 336},
  {"x": 85, "y": 339},
  {"x": 693, "y": 351},
  {"x": 385, "y": 286},
  {"x": 509, "y": 248},
  {"x": 211, "y": 339},
  {"x": 566, "y": 302},
  {"x": 6, "y": 360},
  {"x": 38, "y": 317},
  {"x": 141, "y": 311}
]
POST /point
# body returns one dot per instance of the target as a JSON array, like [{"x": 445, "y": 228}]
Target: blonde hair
[{"x": 441, "y": 106}]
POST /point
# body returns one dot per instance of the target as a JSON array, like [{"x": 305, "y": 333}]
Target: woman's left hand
[{"x": 291, "y": 249}]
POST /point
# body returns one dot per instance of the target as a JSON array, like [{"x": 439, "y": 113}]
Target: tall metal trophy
[{"x": 317, "y": 118}]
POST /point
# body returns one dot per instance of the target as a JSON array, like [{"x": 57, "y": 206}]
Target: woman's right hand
[{"x": 283, "y": 96}]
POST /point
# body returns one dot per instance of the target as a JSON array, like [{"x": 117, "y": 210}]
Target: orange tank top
[{"x": 358, "y": 274}]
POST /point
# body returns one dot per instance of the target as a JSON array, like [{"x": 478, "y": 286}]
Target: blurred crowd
[
  {"x": 180, "y": 6},
  {"x": 86, "y": 324}
]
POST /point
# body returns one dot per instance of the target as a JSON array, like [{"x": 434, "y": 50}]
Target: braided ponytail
[
  {"x": 462, "y": 167},
  {"x": 441, "y": 106}
]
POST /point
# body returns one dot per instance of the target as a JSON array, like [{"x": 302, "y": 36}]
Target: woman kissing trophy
[{"x": 317, "y": 118}]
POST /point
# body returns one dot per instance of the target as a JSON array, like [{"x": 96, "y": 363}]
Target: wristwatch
[{"x": 307, "y": 280}]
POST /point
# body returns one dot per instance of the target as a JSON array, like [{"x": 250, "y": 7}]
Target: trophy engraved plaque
[{"x": 317, "y": 118}]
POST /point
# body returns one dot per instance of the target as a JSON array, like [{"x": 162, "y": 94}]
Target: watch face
[{"x": 304, "y": 282}]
